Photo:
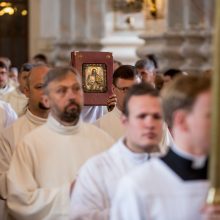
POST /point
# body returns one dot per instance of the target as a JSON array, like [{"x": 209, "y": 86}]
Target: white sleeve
[
  {"x": 88, "y": 199},
  {"x": 5, "y": 158},
  {"x": 10, "y": 115},
  {"x": 26, "y": 198},
  {"x": 128, "y": 203}
]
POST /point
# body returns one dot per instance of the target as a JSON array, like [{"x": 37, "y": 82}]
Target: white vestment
[
  {"x": 111, "y": 123},
  {"x": 17, "y": 100},
  {"x": 7, "y": 115},
  {"x": 45, "y": 164},
  {"x": 91, "y": 113},
  {"x": 98, "y": 179},
  {"x": 8, "y": 88},
  {"x": 9, "y": 139},
  {"x": 155, "y": 192}
]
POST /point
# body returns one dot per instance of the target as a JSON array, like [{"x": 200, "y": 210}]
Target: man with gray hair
[
  {"x": 47, "y": 160},
  {"x": 146, "y": 70}
]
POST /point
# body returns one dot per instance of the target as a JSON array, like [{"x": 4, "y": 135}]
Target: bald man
[{"x": 35, "y": 115}]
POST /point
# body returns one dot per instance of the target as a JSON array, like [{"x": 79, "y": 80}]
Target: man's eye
[
  {"x": 76, "y": 88},
  {"x": 157, "y": 116},
  {"x": 142, "y": 116},
  {"x": 39, "y": 87},
  {"x": 61, "y": 90}
]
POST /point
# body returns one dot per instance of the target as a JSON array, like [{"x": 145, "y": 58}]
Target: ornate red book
[{"x": 96, "y": 69}]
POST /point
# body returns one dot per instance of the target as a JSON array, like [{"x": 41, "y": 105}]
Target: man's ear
[
  {"x": 180, "y": 119},
  {"x": 124, "y": 120},
  {"x": 113, "y": 89},
  {"x": 46, "y": 101},
  {"x": 26, "y": 91}
]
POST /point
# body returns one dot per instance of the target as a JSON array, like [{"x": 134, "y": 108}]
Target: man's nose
[
  {"x": 149, "y": 121},
  {"x": 71, "y": 94}
]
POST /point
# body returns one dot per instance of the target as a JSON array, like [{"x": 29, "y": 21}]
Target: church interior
[{"x": 109, "y": 110}]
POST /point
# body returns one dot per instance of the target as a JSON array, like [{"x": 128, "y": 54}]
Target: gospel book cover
[{"x": 96, "y": 69}]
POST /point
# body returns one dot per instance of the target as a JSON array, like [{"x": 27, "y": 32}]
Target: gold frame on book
[
  {"x": 96, "y": 70},
  {"x": 94, "y": 78}
]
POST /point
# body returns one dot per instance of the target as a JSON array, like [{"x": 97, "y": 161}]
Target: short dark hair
[
  {"x": 124, "y": 72},
  {"x": 138, "y": 90},
  {"x": 3, "y": 65},
  {"x": 58, "y": 73},
  {"x": 26, "y": 67},
  {"x": 181, "y": 93},
  {"x": 173, "y": 73},
  {"x": 40, "y": 57}
]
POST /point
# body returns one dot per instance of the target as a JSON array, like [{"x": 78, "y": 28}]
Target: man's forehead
[
  {"x": 67, "y": 80},
  {"x": 122, "y": 81},
  {"x": 144, "y": 101},
  {"x": 38, "y": 74},
  {"x": 3, "y": 69}
]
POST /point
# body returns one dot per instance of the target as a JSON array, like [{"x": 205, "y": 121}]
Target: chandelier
[{"x": 7, "y": 8}]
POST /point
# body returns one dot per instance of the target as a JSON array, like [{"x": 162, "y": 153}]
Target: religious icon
[{"x": 94, "y": 78}]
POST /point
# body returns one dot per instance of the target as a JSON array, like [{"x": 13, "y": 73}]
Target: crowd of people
[{"x": 143, "y": 156}]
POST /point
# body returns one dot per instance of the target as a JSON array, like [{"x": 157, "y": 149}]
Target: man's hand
[
  {"x": 111, "y": 102},
  {"x": 211, "y": 212}
]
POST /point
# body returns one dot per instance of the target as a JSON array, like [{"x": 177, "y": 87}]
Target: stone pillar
[
  {"x": 175, "y": 15},
  {"x": 165, "y": 44},
  {"x": 82, "y": 27},
  {"x": 34, "y": 27},
  {"x": 43, "y": 27},
  {"x": 123, "y": 46},
  {"x": 66, "y": 24},
  {"x": 96, "y": 11},
  {"x": 194, "y": 15},
  {"x": 191, "y": 51},
  {"x": 186, "y": 42},
  {"x": 49, "y": 27},
  {"x": 196, "y": 48},
  {"x": 209, "y": 13}
]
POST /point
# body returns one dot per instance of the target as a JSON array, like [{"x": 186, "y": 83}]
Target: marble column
[
  {"x": 175, "y": 15},
  {"x": 43, "y": 27},
  {"x": 196, "y": 48},
  {"x": 194, "y": 14},
  {"x": 186, "y": 41},
  {"x": 34, "y": 27},
  {"x": 82, "y": 27}
]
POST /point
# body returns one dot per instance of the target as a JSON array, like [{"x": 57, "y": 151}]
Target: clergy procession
[
  {"x": 102, "y": 139},
  {"x": 142, "y": 156}
]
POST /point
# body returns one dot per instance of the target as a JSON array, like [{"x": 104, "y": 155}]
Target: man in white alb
[
  {"x": 174, "y": 186},
  {"x": 47, "y": 160},
  {"x": 98, "y": 179},
  {"x": 5, "y": 87},
  {"x": 123, "y": 78},
  {"x": 17, "y": 98},
  {"x": 35, "y": 116}
]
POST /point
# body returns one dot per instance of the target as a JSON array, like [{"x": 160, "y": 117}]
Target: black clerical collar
[{"x": 184, "y": 167}]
